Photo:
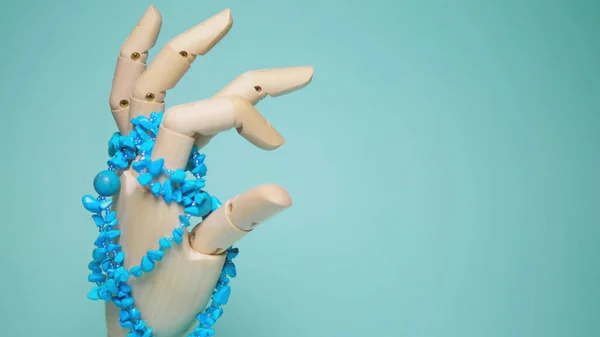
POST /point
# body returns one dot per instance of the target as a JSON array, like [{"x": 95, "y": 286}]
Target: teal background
[{"x": 443, "y": 164}]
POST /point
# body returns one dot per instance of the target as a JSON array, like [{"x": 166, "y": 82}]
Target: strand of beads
[{"x": 107, "y": 270}]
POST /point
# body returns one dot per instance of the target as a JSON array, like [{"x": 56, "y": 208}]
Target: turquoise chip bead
[
  {"x": 178, "y": 230},
  {"x": 232, "y": 253},
  {"x": 93, "y": 294},
  {"x": 93, "y": 265},
  {"x": 106, "y": 264},
  {"x": 200, "y": 170},
  {"x": 140, "y": 325},
  {"x": 168, "y": 191},
  {"x": 110, "y": 216},
  {"x": 155, "y": 255},
  {"x": 136, "y": 271},
  {"x": 187, "y": 186},
  {"x": 136, "y": 121},
  {"x": 221, "y": 296},
  {"x": 100, "y": 241},
  {"x": 125, "y": 141},
  {"x": 229, "y": 269},
  {"x": 126, "y": 288},
  {"x": 113, "y": 234},
  {"x": 148, "y": 333},
  {"x": 147, "y": 264},
  {"x": 111, "y": 286},
  {"x": 146, "y": 123},
  {"x": 159, "y": 116},
  {"x": 155, "y": 168},
  {"x": 126, "y": 324},
  {"x": 128, "y": 142},
  {"x": 112, "y": 223},
  {"x": 216, "y": 203},
  {"x": 155, "y": 188},
  {"x": 224, "y": 280},
  {"x": 200, "y": 197},
  {"x": 104, "y": 294},
  {"x": 218, "y": 312},
  {"x": 138, "y": 165},
  {"x": 97, "y": 255},
  {"x": 96, "y": 277},
  {"x": 130, "y": 154},
  {"x": 184, "y": 220},
  {"x": 113, "y": 144},
  {"x": 144, "y": 137},
  {"x": 145, "y": 179},
  {"x": 120, "y": 257},
  {"x": 124, "y": 315},
  {"x": 127, "y": 302},
  {"x": 177, "y": 196},
  {"x": 135, "y": 313},
  {"x": 105, "y": 204},
  {"x": 164, "y": 243},
  {"x": 146, "y": 145},
  {"x": 177, "y": 237},
  {"x": 96, "y": 270},
  {"x": 205, "y": 208},
  {"x": 124, "y": 276},
  {"x": 113, "y": 247},
  {"x": 205, "y": 319},
  {"x": 204, "y": 332},
  {"x": 118, "y": 161},
  {"x": 98, "y": 220},
  {"x": 178, "y": 176},
  {"x": 91, "y": 204},
  {"x": 193, "y": 210}
]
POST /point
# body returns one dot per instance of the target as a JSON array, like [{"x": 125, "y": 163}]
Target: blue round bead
[{"x": 107, "y": 183}]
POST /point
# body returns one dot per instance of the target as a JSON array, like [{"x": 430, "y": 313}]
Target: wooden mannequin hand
[{"x": 180, "y": 286}]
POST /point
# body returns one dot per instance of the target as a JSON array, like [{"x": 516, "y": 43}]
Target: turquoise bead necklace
[{"x": 107, "y": 271}]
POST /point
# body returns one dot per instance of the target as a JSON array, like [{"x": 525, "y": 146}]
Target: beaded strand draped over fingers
[
  {"x": 140, "y": 91},
  {"x": 158, "y": 274},
  {"x": 107, "y": 270}
]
